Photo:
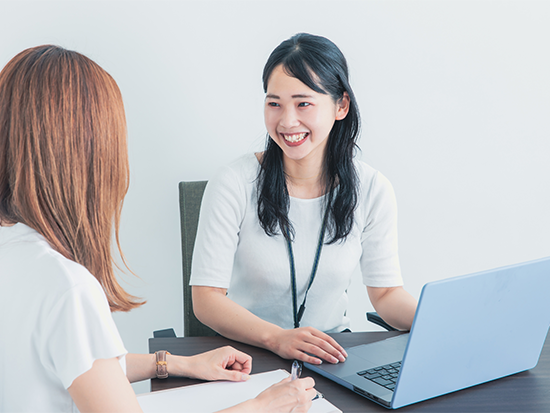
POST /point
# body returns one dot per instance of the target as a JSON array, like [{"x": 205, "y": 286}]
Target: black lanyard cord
[{"x": 298, "y": 314}]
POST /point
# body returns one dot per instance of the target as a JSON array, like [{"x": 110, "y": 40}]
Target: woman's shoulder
[
  {"x": 42, "y": 265},
  {"x": 364, "y": 170},
  {"x": 366, "y": 173},
  {"x": 245, "y": 165},
  {"x": 242, "y": 171},
  {"x": 67, "y": 273},
  {"x": 371, "y": 179}
]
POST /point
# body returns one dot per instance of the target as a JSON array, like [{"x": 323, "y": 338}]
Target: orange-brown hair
[{"x": 64, "y": 158}]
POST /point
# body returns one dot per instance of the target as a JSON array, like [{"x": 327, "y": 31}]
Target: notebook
[
  {"x": 217, "y": 395},
  {"x": 467, "y": 330}
]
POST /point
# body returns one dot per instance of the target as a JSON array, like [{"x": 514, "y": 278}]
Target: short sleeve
[
  {"x": 379, "y": 259},
  {"x": 222, "y": 211},
  {"x": 79, "y": 330}
]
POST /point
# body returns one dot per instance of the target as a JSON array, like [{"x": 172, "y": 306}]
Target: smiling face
[{"x": 298, "y": 118}]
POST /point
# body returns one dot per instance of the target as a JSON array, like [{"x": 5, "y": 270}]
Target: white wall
[{"x": 455, "y": 99}]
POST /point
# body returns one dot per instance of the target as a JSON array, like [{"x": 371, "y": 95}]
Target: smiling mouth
[{"x": 295, "y": 138}]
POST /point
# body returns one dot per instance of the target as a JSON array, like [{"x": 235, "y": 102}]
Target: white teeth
[{"x": 295, "y": 138}]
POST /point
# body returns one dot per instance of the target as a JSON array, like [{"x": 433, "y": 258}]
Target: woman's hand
[
  {"x": 306, "y": 342},
  {"x": 224, "y": 363},
  {"x": 286, "y": 396}
]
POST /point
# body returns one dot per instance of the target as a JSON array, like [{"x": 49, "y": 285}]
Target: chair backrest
[{"x": 190, "y": 205}]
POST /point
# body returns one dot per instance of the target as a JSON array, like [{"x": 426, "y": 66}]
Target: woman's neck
[{"x": 304, "y": 178}]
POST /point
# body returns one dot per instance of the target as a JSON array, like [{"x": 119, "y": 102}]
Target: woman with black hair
[{"x": 304, "y": 206}]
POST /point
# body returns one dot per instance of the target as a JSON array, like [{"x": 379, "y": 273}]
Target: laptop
[{"x": 467, "y": 330}]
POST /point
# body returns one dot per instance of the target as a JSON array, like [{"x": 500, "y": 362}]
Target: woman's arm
[
  {"x": 395, "y": 305},
  {"x": 104, "y": 388},
  {"x": 213, "y": 308},
  {"x": 225, "y": 363}
]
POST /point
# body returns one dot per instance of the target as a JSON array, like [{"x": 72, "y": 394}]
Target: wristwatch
[{"x": 162, "y": 366}]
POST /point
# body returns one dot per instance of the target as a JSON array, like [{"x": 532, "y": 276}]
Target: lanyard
[{"x": 298, "y": 314}]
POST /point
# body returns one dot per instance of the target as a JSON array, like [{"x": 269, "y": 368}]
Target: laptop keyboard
[{"x": 384, "y": 375}]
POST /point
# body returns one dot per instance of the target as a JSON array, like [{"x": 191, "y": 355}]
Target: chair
[
  {"x": 190, "y": 198},
  {"x": 190, "y": 205},
  {"x": 190, "y": 202}
]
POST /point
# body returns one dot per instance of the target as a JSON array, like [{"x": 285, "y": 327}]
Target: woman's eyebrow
[{"x": 299, "y": 96}]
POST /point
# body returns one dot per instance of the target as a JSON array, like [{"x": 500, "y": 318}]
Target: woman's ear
[{"x": 342, "y": 107}]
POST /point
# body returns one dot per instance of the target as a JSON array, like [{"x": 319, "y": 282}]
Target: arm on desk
[
  {"x": 214, "y": 309},
  {"x": 223, "y": 363},
  {"x": 395, "y": 305},
  {"x": 104, "y": 388}
]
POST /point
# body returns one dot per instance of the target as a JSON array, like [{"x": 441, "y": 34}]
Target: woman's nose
[{"x": 289, "y": 118}]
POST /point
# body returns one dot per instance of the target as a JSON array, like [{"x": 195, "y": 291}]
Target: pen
[
  {"x": 295, "y": 373},
  {"x": 296, "y": 370}
]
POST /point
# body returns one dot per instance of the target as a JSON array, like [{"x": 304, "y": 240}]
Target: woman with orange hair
[{"x": 63, "y": 178}]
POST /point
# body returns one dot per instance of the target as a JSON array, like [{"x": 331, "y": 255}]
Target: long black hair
[{"x": 320, "y": 65}]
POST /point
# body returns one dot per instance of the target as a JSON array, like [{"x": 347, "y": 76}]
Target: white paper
[{"x": 213, "y": 396}]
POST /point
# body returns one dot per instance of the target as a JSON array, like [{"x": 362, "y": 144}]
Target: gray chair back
[{"x": 190, "y": 205}]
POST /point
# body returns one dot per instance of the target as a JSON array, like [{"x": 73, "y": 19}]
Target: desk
[{"x": 528, "y": 391}]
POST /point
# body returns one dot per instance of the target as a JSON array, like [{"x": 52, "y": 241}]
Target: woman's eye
[
  {"x": 303, "y": 104},
  {"x": 273, "y": 104}
]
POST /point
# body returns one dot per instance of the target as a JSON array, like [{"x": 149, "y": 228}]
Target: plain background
[{"x": 454, "y": 97}]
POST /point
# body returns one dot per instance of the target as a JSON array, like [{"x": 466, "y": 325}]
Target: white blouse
[
  {"x": 55, "y": 322},
  {"x": 232, "y": 250}
]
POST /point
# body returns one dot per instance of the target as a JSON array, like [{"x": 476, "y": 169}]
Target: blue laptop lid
[{"x": 475, "y": 328}]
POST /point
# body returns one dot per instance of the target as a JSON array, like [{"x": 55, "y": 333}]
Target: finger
[
  {"x": 283, "y": 381},
  {"x": 235, "y": 366},
  {"x": 323, "y": 341},
  {"x": 326, "y": 350},
  {"x": 329, "y": 339},
  {"x": 244, "y": 367},
  {"x": 232, "y": 375},
  {"x": 311, "y": 394},
  {"x": 309, "y": 353},
  {"x": 325, "y": 337},
  {"x": 330, "y": 345},
  {"x": 307, "y": 383},
  {"x": 316, "y": 351},
  {"x": 318, "y": 347},
  {"x": 337, "y": 346},
  {"x": 241, "y": 359},
  {"x": 306, "y": 358}
]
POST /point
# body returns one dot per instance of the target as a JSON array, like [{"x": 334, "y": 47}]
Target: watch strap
[{"x": 162, "y": 365}]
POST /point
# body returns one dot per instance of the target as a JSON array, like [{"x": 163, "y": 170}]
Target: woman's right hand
[
  {"x": 287, "y": 396},
  {"x": 306, "y": 342},
  {"x": 284, "y": 397}
]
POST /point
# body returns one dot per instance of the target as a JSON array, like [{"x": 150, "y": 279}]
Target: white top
[
  {"x": 55, "y": 322},
  {"x": 232, "y": 250}
]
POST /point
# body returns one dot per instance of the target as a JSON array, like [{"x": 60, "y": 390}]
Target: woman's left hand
[{"x": 225, "y": 363}]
